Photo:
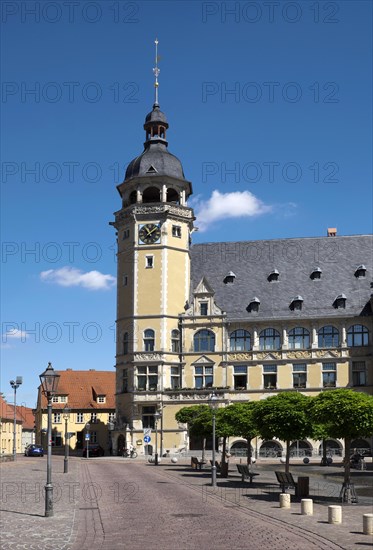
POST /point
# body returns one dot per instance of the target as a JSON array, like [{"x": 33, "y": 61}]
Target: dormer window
[
  {"x": 316, "y": 273},
  {"x": 273, "y": 276},
  {"x": 296, "y": 303},
  {"x": 101, "y": 399},
  {"x": 229, "y": 278},
  {"x": 253, "y": 305},
  {"x": 340, "y": 302},
  {"x": 360, "y": 271},
  {"x": 203, "y": 308}
]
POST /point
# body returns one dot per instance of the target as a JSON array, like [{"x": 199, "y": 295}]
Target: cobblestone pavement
[{"x": 112, "y": 504}]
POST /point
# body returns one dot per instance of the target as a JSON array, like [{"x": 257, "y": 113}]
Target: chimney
[{"x": 332, "y": 231}]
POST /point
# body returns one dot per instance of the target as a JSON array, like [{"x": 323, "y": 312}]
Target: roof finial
[{"x": 156, "y": 72}]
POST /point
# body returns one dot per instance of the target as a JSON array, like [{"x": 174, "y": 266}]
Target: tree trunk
[
  {"x": 203, "y": 449},
  {"x": 324, "y": 460},
  {"x": 287, "y": 456},
  {"x": 249, "y": 454},
  {"x": 347, "y": 477},
  {"x": 223, "y": 458}
]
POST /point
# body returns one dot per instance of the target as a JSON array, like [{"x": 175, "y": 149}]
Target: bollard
[
  {"x": 368, "y": 524},
  {"x": 306, "y": 505},
  {"x": 334, "y": 514},
  {"x": 285, "y": 500}
]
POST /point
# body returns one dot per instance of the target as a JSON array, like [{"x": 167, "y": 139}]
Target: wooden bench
[
  {"x": 286, "y": 481},
  {"x": 245, "y": 472},
  {"x": 197, "y": 464}
]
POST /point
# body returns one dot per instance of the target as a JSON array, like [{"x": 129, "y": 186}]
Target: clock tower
[{"x": 153, "y": 227}]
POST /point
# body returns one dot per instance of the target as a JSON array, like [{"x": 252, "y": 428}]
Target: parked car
[
  {"x": 94, "y": 449},
  {"x": 34, "y": 450}
]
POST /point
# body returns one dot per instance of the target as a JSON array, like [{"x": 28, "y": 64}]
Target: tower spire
[{"x": 156, "y": 72}]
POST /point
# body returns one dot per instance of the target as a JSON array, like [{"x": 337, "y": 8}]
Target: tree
[
  {"x": 346, "y": 414},
  {"x": 242, "y": 423},
  {"x": 195, "y": 417},
  {"x": 284, "y": 416}
]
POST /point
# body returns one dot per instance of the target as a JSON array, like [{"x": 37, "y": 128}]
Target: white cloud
[
  {"x": 220, "y": 206},
  {"x": 70, "y": 276},
  {"x": 15, "y": 334}
]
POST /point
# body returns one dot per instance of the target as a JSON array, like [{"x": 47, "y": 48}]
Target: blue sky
[{"x": 269, "y": 106}]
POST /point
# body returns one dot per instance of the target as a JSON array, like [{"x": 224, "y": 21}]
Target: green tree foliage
[
  {"x": 242, "y": 424},
  {"x": 345, "y": 414},
  {"x": 197, "y": 417},
  {"x": 285, "y": 416}
]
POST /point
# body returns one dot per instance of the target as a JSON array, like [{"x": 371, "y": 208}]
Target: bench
[
  {"x": 286, "y": 481},
  {"x": 197, "y": 464},
  {"x": 245, "y": 472}
]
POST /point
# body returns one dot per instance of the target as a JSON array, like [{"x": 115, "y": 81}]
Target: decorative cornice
[{"x": 148, "y": 357}]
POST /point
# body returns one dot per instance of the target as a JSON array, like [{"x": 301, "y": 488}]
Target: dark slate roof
[
  {"x": 156, "y": 155},
  {"x": 295, "y": 259}
]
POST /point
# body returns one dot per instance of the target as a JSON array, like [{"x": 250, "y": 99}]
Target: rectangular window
[
  {"x": 175, "y": 378},
  {"x": 203, "y": 308},
  {"x": 147, "y": 378},
  {"x": 56, "y": 418},
  {"x": 148, "y": 417},
  {"x": 126, "y": 234},
  {"x": 240, "y": 377},
  {"x": 101, "y": 399},
  {"x": 124, "y": 280},
  {"x": 149, "y": 262},
  {"x": 55, "y": 399},
  {"x": 270, "y": 377},
  {"x": 93, "y": 437},
  {"x": 203, "y": 377},
  {"x": 63, "y": 398},
  {"x": 79, "y": 418},
  {"x": 111, "y": 417},
  {"x": 329, "y": 375},
  {"x": 93, "y": 417},
  {"x": 56, "y": 439},
  {"x": 176, "y": 231},
  {"x": 359, "y": 375},
  {"x": 299, "y": 375}
]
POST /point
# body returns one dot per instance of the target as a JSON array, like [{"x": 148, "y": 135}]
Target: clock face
[{"x": 149, "y": 233}]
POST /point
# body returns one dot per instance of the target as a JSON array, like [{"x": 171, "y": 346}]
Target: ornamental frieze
[
  {"x": 239, "y": 357},
  {"x": 298, "y": 355},
  {"x": 268, "y": 356},
  {"x": 148, "y": 357},
  {"x": 159, "y": 209},
  {"x": 329, "y": 353}
]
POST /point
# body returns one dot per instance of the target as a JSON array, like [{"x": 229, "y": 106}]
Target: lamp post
[
  {"x": 15, "y": 385},
  {"x": 157, "y": 416},
  {"x": 66, "y": 415},
  {"x": 49, "y": 383},
  {"x": 213, "y": 404},
  {"x": 87, "y": 427}
]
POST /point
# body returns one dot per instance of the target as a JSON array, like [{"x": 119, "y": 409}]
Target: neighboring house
[
  {"x": 90, "y": 397},
  {"x": 28, "y": 425},
  {"x": 7, "y": 428},
  {"x": 244, "y": 319}
]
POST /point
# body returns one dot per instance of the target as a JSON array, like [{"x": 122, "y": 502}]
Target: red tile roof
[
  {"x": 7, "y": 411},
  {"x": 82, "y": 388},
  {"x": 28, "y": 418}
]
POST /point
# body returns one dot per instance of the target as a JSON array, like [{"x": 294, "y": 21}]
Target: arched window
[
  {"x": 149, "y": 340},
  {"x": 151, "y": 194},
  {"x": 328, "y": 337},
  {"x": 175, "y": 341},
  {"x": 269, "y": 339},
  {"x": 125, "y": 343},
  {"x": 357, "y": 335},
  {"x": 204, "y": 340},
  {"x": 240, "y": 340},
  {"x": 299, "y": 338},
  {"x": 172, "y": 195}
]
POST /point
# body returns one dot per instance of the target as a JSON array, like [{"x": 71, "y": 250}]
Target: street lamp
[
  {"x": 87, "y": 437},
  {"x": 15, "y": 385},
  {"x": 157, "y": 416},
  {"x": 49, "y": 383},
  {"x": 66, "y": 415},
  {"x": 213, "y": 404}
]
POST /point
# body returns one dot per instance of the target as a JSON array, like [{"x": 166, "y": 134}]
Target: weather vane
[{"x": 156, "y": 71}]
